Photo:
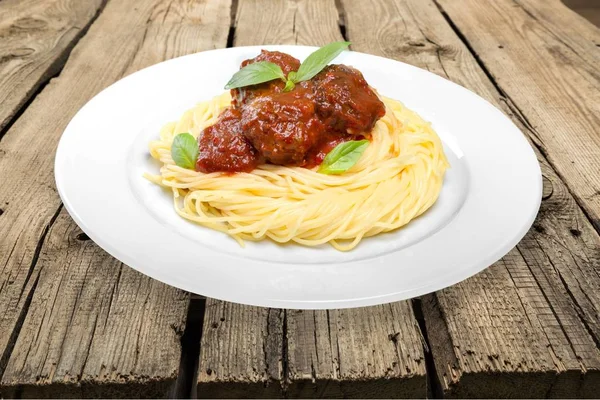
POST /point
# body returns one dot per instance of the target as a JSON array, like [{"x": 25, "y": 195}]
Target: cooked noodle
[{"x": 398, "y": 177}]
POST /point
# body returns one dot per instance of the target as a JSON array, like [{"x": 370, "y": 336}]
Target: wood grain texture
[
  {"x": 94, "y": 322},
  {"x": 241, "y": 352},
  {"x": 484, "y": 342},
  {"x": 524, "y": 325},
  {"x": 549, "y": 69},
  {"x": 36, "y": 37},
  {"x": 566, "y": 24},
  {"x": 304, "y": 22},
  {"x": 374, "y": 352},
  {"x": 155, "y": 30},
  {"x": 562, "y": 252}
]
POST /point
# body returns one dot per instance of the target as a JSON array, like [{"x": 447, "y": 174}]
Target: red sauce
[
  {"x": 223, "y": 147},
  {"x": 296, "y": 128},
  {"x": 327, "y": 143}
]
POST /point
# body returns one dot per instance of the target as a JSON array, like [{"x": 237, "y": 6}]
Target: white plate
[{"x": 489, "y": 199}]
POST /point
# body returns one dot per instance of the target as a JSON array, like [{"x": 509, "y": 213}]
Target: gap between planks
[
  {"x": 233, "y": 15},
  {"x": 434, "y": 386},
  {"x": 185, "y": 386},
  {"x": 17, "y": 329}
]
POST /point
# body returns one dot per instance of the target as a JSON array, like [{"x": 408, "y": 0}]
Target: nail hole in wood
[
  {"x": 83, "y": 237},
  {"x": 575, "y": 232},
  {"x": 214, "y": 325},
  {"x": 500, "y": 46},
  {"x": 539, "y": 228}
]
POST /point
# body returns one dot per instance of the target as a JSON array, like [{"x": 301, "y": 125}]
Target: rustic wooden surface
[
  {"x": 241, "y": 351},
  {"x": 35, "y": 38},
  {"x": 73, "y": 317},
  {"x": 74, "y": 322},
  {"x": 361, "y": 352}
]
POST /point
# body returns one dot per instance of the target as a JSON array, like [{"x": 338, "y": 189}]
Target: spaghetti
[{"x": 398, "y": 177}]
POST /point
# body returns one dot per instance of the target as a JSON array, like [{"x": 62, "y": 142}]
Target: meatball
[
  {"x": 283, "y": 126},
  {"x": 344, "y": 100},
  {"x": 287, "y": 64},
  {"x": 222, "y": 146},
  {"x": 285, "y": 61}
]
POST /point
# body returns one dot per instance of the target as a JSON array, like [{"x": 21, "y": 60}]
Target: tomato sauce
[
  {"x": 327, "y": 143},
  {"x": 223, "y": 147}
]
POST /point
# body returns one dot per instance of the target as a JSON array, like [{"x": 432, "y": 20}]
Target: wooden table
[{"x": 75, "y": 322}]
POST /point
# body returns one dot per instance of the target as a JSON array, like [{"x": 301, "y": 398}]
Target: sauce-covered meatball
[
  {"x": 223, "y": 147},
  {"x": 283, "y": 126},
  {"x": 287, "y": 64},
  {"x": 344, "y": 100}
]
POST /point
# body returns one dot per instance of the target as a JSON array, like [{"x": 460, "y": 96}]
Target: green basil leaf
[
  {"x": 318, "y": 60},
  {"x": 184, "y": 151},
  {"x": 343, "y": 157},
  {"x": 255, "y": 73}
]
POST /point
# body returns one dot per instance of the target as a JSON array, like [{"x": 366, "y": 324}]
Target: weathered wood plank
[
  {"x": 569, "y": 26},
  {"x": 241, "y": 352},
  {"x": 364, "y": 357},
  {"x": 563, "y": 254},
  {"x": 154, "y": 30},
  {"x": 94, "y": 323},
  {"x": 304, "y": 22},
  {"x": 549, "y": 69},
  {"x": 361, "y": 352},
  {"x": 36, "y": 37},
  {"x": 483, "y": 340},
  {"x": 516, "y": 325}
]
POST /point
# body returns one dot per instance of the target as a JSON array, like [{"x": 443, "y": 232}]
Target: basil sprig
[
  {"x": 264, "y": 71},
  {"x": 318, "y": 60},
  {"x": 253, "y": 74},
  {"x": 184, "y": 151},
  {"x": 343, "y": 157}
]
